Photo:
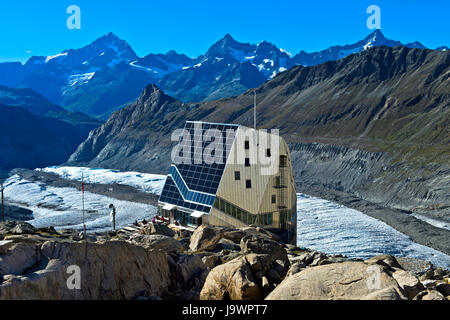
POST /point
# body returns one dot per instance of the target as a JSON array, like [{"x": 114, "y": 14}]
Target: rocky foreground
[{"x": 153, "y": 261}]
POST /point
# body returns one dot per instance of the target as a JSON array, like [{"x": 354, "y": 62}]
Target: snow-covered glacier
[
  {"x": 321, "y": 225},
  {"x": 63, "y": 207},
  {"x": 332, "y": 228}
]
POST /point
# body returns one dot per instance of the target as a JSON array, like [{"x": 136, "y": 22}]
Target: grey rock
[
  {"x": 113, "y": 270},
  {"x": 157, "y": 228},
  {"x": 205, "y": 238},
  {"x": 158, "y": 241}
]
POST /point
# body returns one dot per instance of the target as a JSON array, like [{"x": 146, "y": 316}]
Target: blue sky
[{"x": 191, "y": 27}]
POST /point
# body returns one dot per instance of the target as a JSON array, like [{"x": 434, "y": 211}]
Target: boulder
[
  {"x": 429, "y": 283},
  {"x": 113, "y": 270},
  {"x": 443, "y": 288},
  {"x": 234, "y": 235},
  {"x": 264, "y": 245},
  {"x": 433, "y": 295},
  {"x": 305, "y": 258},
  {"x": 205, "y": 238},
  {"x": 232, "y": 280},
  {"x": 5, "y": 245},
  {"x": 18, "y": 258},
  {"x": 16, "y": 227},
  {"x": 226, "y": 244},
  {"x": 390, "y": 293},
  {"x": 439, "y": 273},
  {"x": 427, "y": 275},
  {"x": 351, "y": 280},
  {"x": 158, "y": 241},
  {"x": 189, "y": 267},
  {"x": 258, "y": 231},
  {"x": 409, "y": 283},
  {"x": 260, "y": 264},
  {"x": 211, "y": 261},
  {"x": 157, "y": 228},
  {"x": 296, "y": 267},
  {"x": 386, "y": 260}
]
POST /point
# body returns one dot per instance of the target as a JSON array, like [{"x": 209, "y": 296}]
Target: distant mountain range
[{"x": 107, "y": 74}]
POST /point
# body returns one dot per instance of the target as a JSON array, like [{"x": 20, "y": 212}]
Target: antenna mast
[
  {"x": 82, "y": 199},
  {"x": 254, "y": 110}
]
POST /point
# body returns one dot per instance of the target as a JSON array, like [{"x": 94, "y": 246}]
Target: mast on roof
[{"x": 254, "y": 109}]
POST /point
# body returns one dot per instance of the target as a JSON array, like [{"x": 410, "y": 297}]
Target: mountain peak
[
  {"x": 228, "y": 37},
  {"x": 228, "y": 45},
  {"x": 376, "y": 35},
  {"x": 154, "y": 94},
  {"x": 110, "y": 36}
]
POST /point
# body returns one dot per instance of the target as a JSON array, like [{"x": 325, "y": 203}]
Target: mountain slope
[
  {"x": 139, "y": 133},
  {"x": 29, "y": 141},
  {"x": 32, "y": 101},
  {"x": 374, "y": 124}
]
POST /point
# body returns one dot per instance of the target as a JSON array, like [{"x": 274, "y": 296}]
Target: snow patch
[
  {"x": 80, "y": 79},
  {"x": 287, "y": 52},
  {"x": 55, "y": 56}
]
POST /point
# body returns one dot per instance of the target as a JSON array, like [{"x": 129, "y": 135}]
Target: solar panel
[{"x": 194, "y": 183}]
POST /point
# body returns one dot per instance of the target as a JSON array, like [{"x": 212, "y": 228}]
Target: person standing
[{"x": 113, "y": 216}]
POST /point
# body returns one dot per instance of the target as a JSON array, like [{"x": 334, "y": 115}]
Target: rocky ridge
[{"x": 154, "y": 261}]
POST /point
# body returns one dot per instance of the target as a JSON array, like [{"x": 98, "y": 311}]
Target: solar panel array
[{"x": 194, "y": 183}]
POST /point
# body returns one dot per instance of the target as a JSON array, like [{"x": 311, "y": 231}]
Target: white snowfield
[
  {"x": 321, "y": 225},
  {"x": 332, "y": 228},
  {"x": 146, "y": 182},
  {"x": 62, "y": 207}
]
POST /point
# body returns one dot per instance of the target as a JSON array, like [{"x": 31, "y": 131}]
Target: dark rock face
[
  {"x": 35, "y": 103},
  {"x": 31, "y": 141}
]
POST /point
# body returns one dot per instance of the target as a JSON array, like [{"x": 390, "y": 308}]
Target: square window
[
  {"x": 247, "y": 162},
  {"x": 248, "y": 184},
  {"x": 247, "y": 144},
  {"x": 274, "y": 198},
  {"x": 268, "y": 153},
  {"x": 237, "y": 175}
]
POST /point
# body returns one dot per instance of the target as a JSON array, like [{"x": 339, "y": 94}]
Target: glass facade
[
  {"x": 264, "y": 219},
  {"x": 194, "y": 185}
]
